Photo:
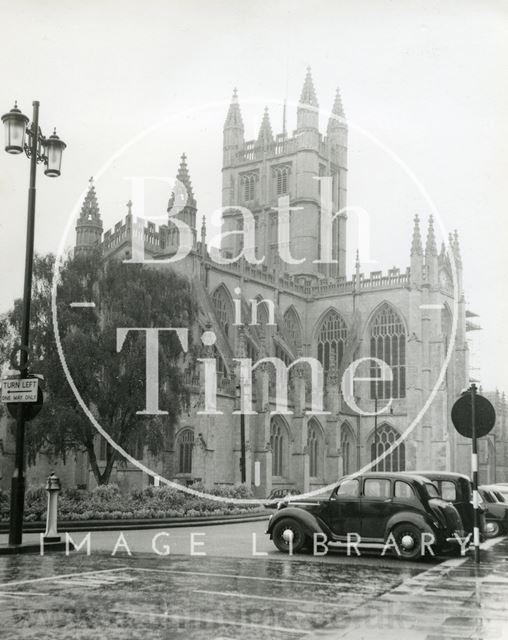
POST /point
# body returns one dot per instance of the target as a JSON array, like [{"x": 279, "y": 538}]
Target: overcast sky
[{"x": 428, "y": 79}]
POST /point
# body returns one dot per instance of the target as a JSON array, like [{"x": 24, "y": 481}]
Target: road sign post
[
  {"x": 23, "y": 397},
  {"x": 473, "y": 416},
  {"x": 474, "y": 469}
]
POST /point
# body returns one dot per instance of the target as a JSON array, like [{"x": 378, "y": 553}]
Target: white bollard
[{"x": 53, "y": 486}]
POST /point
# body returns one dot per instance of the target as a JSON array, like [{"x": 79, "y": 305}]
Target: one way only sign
[{"x": 20, "y": 390}]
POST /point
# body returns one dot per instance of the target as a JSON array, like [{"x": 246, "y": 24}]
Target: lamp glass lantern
[
  {"x": 15, "y": 129},
  {"x": 54, "y": 150}
]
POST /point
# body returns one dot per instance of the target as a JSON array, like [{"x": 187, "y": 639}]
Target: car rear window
[
  {"x": 349, "y": 488},
  {"x": 404, "y": 490},
  {"x": 448, "y": 491},
  {"x": 487, "y": 496},
  {"x": 376, "y": 488}
]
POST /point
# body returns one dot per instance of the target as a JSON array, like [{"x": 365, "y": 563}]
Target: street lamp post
[
  {"x": 49, "y": 151},
  {"x": 375, "y": 430}
]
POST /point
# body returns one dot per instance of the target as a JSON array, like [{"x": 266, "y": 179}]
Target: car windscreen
[{"x": 431, "y": 490}]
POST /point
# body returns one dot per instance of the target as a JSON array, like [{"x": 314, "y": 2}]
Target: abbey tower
[{"x": 257, "y": 173}]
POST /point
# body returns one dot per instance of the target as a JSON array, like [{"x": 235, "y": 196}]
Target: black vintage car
[
  {"x": 372, "y": 506},
  {"x": 457, "y": 488},
  {"x": 496, "y": 511}
]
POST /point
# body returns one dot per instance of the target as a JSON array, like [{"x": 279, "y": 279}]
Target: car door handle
[{"x": 387, "y": 500}]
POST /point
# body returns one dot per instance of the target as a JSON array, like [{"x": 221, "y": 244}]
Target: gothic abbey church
[{"x": 403, "y": 317}]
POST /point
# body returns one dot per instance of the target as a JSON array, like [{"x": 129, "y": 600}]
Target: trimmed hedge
[{"x": 106, "y": 502}]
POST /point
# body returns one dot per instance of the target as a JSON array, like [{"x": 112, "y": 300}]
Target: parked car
[
  {"x": 498, "y": 492},
  {"x": 457, "y": 488},
  {"x": 496, "y": 513},
  {"x": 502, "y": 489},
  {"x": 278, "y": 495},
  {"x": 372, "y": 505}
]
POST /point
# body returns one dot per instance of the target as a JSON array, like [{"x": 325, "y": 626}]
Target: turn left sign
[{"x": 20, "y": 389}]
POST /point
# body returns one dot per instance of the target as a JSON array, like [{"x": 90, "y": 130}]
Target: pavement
[{"x": 230, "y": 593}]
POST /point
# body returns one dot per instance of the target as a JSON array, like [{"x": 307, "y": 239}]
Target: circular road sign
[{"x": 462, "y": 415}]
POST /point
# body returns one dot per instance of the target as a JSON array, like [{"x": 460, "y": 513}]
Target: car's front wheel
[
  {"x": 492, "y": 529},
  {"x": 288, "y": 534},
  {"x": 409, "y": 541}
]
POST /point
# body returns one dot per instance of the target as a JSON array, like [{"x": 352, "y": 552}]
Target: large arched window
[
  {"x": 223, "y": 308},
  {"x": 293, "y": 327},
  {"x": 331, "y": 339},
  {"x": 347, "y": 446},
  {"x": 279, "y": 443},
  {"x": 184, "y": 446},
  {"x": 388, "y": 343},
  {"x": 315, "y": 447},
  {"x": 386, "y": 436}
]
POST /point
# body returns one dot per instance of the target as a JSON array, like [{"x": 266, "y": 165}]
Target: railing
[
  {"x": 114, "y": 237},
  {"x": 253, "y": 151},
  {"x": 378, "y": 280}
]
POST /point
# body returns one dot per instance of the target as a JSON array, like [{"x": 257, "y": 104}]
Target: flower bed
[{"x": 108, "y": 503}]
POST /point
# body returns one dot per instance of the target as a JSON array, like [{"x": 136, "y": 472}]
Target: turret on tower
[
  {"x": 455, "y": 249},
  {"x": 416, "y": 254},
  {"x": 265, "y": 136},
  {"x": 336, "y": 123},
  {"x": 337, "y": 131},
  {"x": 431, "y": 258},
  {"x": 182, "y": 203},
  {"x": 233, "y": 133},
  {"x": 307, "y": 116},
  {"x": 337, "y": 142},
  {"x": 89, "y": 224}
]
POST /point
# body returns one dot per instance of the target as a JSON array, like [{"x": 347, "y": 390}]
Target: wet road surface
[
  {"x": 180, "y": 597},
  {"x": 268, "y": 597}
]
